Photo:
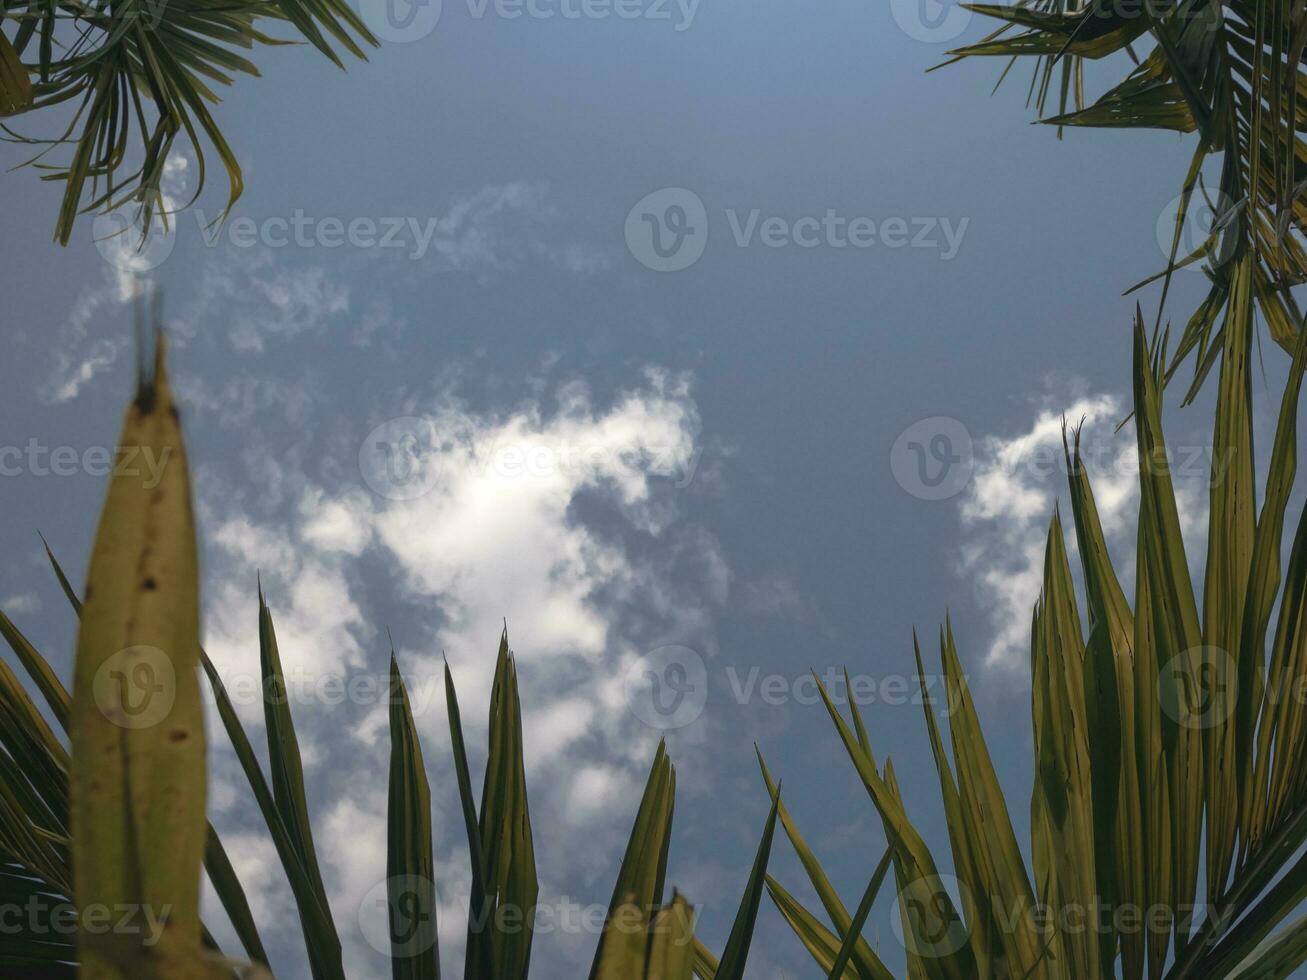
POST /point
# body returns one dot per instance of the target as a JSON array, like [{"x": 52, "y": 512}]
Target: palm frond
[
  {"x": 1230, "y": 72},
  {"x": 1169, "y": 738},
  {"x": 126, "y": 79}
]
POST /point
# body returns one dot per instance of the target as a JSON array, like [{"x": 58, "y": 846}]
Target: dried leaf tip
[{"x": 152, "y": 391}]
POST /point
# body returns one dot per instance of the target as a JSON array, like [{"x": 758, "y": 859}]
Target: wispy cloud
[
  {"x": 501, "y": 226},
  {"x": 22, "y": 604},
  {"x": 1017, "y": 481},
  {"x": 81, "y": 353},
  {"x": 560, "y": 516},
  {"x": 79, "y": 356}
]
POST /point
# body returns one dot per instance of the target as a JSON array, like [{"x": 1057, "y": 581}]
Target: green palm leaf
[
  {"x": 139, "y": 75},
  {"x": 410, "y": 864},
  {"x": 1233, "y": 74}
]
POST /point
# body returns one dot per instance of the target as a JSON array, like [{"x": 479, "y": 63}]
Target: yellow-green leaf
[
  {"x": 138, "y": 787},
  {"x": 15, "y": 82}
]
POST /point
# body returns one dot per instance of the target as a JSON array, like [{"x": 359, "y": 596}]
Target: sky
[{"x": 714, "y": 343}]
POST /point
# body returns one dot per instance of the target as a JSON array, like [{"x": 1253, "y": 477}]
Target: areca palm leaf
[
  {"x": 45, "y": 949},
  {"x": 137, "y": 785},
  {"x": 38, "y": 838},
  {"x": 853, "y": 936},
  {"x": 133, "y": 76},
  {"x": 1063, "y": 812},
  {"x": 321, "y": 941},
  {"x": 1101, "y": 28},
  {"x": 50, "y": 794},
  {"x": 641, "y": 941},
  {"x": 1277, "y": 958},
  {"x": 736, "y": 954},
  {"x": 864, "y": 963},
  {"x": 1169, "y": 803},
  {"x": 643, "y": 871},
  {"x": 34, "y": 785},
  {"x": 410, "y": 863},
  {"x": 34, "y": 766},
  {"x": 284, "y": 757},
  {"x": 500, "y": 842},
  {"x": 639, "y": 946},
  {"x": 930, "y": 912},
  {"x": 15, "y": 83},
  {"x": 822, "y": 944},
  {"x": 320, "y": 938},
  {"x": 1231, "y": 73},
  {"x": 1112, "y": 673}
]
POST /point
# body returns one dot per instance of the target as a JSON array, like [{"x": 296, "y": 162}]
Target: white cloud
[
  {"x": 77, "y": 356},
  {"x": 320, "y": 627},
  {"x": 252, "y": 298},
  {"x": 500, "y": 226},
  {"x": 239, "y": 401},
  {"x": 595, "y": 786},
  {"x": 1016, "y": 483},
  {"x": 247, "y": 298},
  {"x": 21, "y": 604},
  {"x": 561, "y": 516},
  {"x": 334, "y": 525}
]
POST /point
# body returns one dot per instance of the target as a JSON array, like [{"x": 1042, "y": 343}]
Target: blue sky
[{"x": 632, "y": 462}]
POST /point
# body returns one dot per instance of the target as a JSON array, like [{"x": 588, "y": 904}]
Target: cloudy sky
[{"x": 646, "y": 335}]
